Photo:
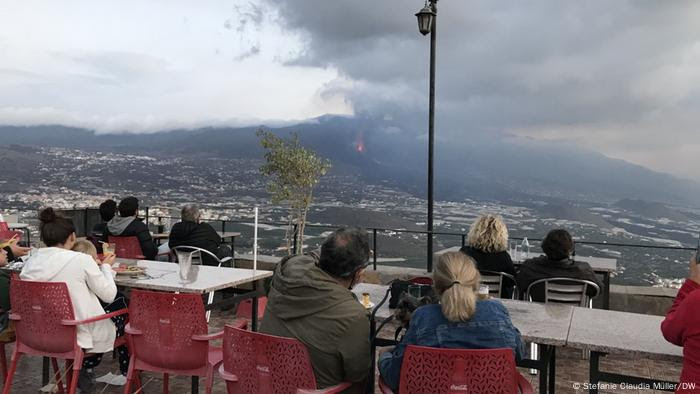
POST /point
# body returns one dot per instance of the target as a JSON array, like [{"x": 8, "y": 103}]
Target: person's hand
[
  {"x": 388, "y": 349},
  {"x": 3, "y": 257},
  {"x": 19, "y": 251},
  {"x": 694, "y": 274},
  {"x": 109, "y": 259}
]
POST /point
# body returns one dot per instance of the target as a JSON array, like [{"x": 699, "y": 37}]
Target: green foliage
[{"x": 292, "y": 171}]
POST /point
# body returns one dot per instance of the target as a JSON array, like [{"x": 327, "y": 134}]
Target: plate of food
[{"x": 129, "y": 270}]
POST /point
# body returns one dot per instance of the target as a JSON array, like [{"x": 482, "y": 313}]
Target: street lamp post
[{"x": 427, "y": 22}]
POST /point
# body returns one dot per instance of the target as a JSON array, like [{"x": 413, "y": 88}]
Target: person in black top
[
  {"x": 556, "y": 263},
  {"x": 191, "y": 231},
  {"x": 108, "y": 210},
  {"x": 127, "y": 225},
  {"x": 487, "y": 245}
]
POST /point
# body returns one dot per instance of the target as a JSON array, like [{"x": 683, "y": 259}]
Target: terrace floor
[{"x": 571, "y": 370}]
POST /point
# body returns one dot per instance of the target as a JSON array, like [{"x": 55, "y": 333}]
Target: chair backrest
[
  {"x": 4, "y": 226},
  {"x": 40, "y": 308},
  {"x": 194, "y": 253},
  {"x": 7, "y": 234},
  {"x": 496, "y": 281},
  {"x": 434, "y": 370},
  {"x": 562, "y": 290},
  {"x": 266, "y": 364},
  {"x": 167, "y": 323},
  {"x": 422, "y": 280},
  {"x": 127, "y": 247}
]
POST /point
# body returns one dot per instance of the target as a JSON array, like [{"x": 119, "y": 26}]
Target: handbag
[{"x": 399, "y": 287}]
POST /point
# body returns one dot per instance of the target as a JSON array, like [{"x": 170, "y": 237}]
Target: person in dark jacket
[
  {"x": 487, "y": 245},
  {"x": 682, "y": 327},
  {"x": 128, "y": 225},
  {"x": 108, "y": 210},
  {"x": 557, "y": 246},
  {"x": 192, "y": 232},
  {"x": 310, "y": 300}
]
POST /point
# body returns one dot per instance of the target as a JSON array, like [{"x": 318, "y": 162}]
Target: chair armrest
[
  {"x": 229, "y": 377},
  {"x": 94, "y": 319},
  {"x": 524, "y": 385},
  {"x": 132, "y": 331},
  {"x": 14, "y": 316},
  {"x": 225, "y": 259},
  {"x": 208, "y": 337},
  {"x": 328, "y": 390}
]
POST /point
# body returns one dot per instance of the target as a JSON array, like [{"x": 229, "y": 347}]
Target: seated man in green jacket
[{"x": 310, "y": 300}]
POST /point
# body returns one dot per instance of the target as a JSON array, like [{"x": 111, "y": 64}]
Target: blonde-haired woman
[
  {"x": 462, "y": 319},
  {"x": 487, "y": 244}
]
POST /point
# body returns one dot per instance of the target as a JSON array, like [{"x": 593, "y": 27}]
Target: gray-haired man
[{"x": 191, "y": 231}]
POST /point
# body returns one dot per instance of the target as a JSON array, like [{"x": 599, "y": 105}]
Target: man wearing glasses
[{"x": 310, "y": 300}]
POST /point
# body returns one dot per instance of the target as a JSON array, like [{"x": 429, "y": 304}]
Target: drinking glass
[
  {"x": 107, "y": 249},
  {"x": 483, "y": 292},
  {"x": 518, "y": 253},
  {"x": 184, "y": 261}
]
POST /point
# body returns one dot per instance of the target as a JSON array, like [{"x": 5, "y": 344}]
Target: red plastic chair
[
  {"x": 265, "y": 364},
  {"x": 45, "y": 326},
  {"x": 168, "y": 335},
  {"x": 245, "y": 308},
  {"x": 7, "y": 234},
  {"x": 422, "y": 280},
  {"x": 434, "y": 370},
  {"x": 127, "y": 247}
]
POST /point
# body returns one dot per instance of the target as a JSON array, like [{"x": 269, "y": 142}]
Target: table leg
[
  {"x": 373, "y": 353},
  {"x": 45, "y": 371},
  {"x": 552, "y": 369},
  {"x": 233, "y": 249},
  {"x": 593, "y": 372},
  {"x": 195, "y": 385},
  {"x": 544, "y": 360},
  {"x": 254, "y": 314},
  {"x": 606, "y": 286}
]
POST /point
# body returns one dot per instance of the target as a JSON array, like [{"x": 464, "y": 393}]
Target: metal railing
[
  {"x": 87, "y": 217},
  {"x": 375, "y": 231}
]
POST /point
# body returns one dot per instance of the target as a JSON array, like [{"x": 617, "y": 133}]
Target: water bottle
[{"x": 526, "y": 248}]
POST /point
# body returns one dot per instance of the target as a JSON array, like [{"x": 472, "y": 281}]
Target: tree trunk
[{"x": 289, "y": 233}]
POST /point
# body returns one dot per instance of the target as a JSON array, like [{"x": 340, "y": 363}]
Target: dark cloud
[{"x": 619, "y": 70}]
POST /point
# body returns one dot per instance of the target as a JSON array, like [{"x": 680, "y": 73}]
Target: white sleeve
[{"x": 100, "y": 280}]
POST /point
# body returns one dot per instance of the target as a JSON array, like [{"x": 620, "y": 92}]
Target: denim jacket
[{"x": 489, "y": 328}]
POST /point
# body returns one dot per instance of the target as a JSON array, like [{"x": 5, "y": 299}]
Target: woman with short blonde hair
[
  {"x": 462, "y": 319},
  {"x": 487, "y": 244},
  {"x": 488, "y": 234}
]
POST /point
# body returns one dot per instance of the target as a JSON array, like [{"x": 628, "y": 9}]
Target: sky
[{"x": 618, "y": 77}]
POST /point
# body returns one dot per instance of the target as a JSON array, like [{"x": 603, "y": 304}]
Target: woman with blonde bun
[{"x": 463, "y": 319}]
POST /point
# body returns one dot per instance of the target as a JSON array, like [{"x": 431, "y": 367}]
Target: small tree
[{"x": 292, "y": 171}]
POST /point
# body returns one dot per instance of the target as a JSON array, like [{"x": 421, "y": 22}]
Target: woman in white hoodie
[{"x": 87, "y": 282}]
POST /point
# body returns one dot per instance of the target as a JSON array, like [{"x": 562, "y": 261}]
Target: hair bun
[{"x": 47, "y": 215}]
